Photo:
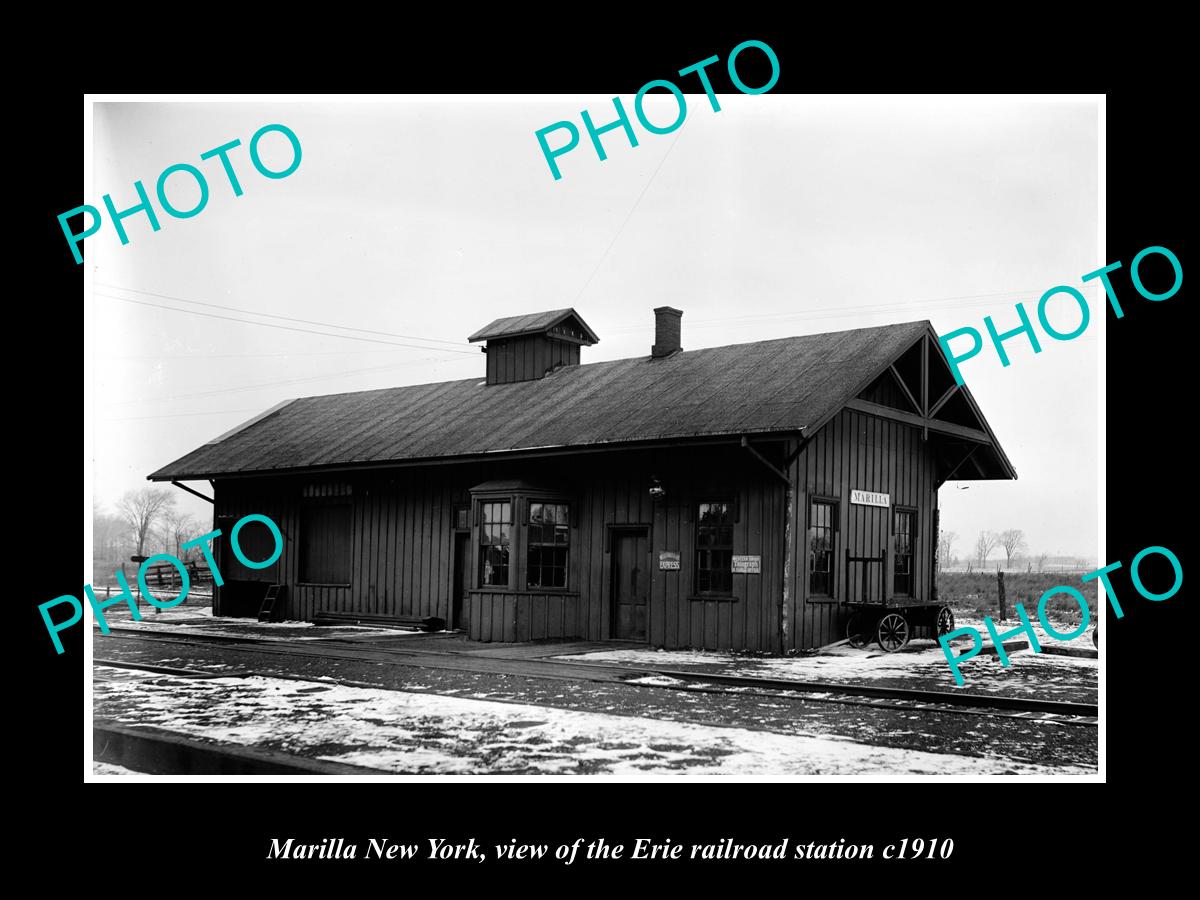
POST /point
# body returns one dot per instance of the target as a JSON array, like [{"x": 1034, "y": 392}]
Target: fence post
[{"x": 1000, "y": 588}]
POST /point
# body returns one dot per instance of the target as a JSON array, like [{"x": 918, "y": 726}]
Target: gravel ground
[
  {"x": 986, "y": 736},
  {"x": 920, "y": 666},
  {"x": 417, "y": 732}
]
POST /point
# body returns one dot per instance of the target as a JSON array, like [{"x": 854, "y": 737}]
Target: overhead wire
[
  {"x": 200, "y": 357},
  {"x": 845, "y": 311},
  {"x": 348, "y": 337},
  {"x": 267, "y": 384},
  {"x": 212, "y": 412},
  {"x": 632, "y": 210},
  {"x": 252, "y": 312}
]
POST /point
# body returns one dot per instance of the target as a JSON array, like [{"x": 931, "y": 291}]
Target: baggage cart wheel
[
  {"x": 944, "y": 623},
  {"x": 858, "y": 630},
  {"x": 892, "y": 632}
]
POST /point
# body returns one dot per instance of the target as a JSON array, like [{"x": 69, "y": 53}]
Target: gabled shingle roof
[
  {"x": 531, "y": 323},
  {"x": 778, "y": 386}
]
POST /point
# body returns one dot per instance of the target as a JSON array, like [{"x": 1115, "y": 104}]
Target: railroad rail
[{"x": 956, "y": 702}]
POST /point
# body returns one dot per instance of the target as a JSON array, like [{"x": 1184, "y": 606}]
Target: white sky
[{"x": 779, "y": 215}]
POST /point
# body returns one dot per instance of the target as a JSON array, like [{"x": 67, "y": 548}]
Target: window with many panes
[
  {"x": 714, "y": 548},
  {"x": 495, "y": 535},
  {"x": 904, "y": 533},
  {"x": 548, "y": 543},
  {"x": 822, "y": 531}
]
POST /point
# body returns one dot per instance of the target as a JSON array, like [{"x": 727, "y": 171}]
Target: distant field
[
  {"x": 103, "y": 569},
  {"x": 977, "y": 593}
]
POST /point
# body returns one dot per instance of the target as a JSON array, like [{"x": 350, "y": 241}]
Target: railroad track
[{"x": 958, "y": 703}]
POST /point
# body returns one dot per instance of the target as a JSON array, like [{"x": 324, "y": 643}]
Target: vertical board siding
[
  {"x": 857, "y": 451},
  {"x": 401, "y": 552},
  {"x": 527, "y": 358}
]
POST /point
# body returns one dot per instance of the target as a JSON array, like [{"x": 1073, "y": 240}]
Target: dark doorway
[
  {"x": 462, "y": 577},
  {"x": 630, "y": 583},
  {"x": 867, "y": 537}
]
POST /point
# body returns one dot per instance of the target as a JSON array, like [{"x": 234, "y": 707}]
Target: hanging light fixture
[{"x": 657, "y": 492}]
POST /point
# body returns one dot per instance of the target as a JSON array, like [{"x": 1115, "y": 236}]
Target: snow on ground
[
  {"x": 120, "y": 611},
  {"x": 402, "y": 732},
  {"x": 1083, "y": 642},
  {"x": 102, "y": 768},
  {"x": 922, "y": 665},
  {"x": 657, "y": 681},
  {"x": 202, "y": 621}
]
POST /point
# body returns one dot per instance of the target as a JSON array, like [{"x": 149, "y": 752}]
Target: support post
[{"x": 789, "y": 518}]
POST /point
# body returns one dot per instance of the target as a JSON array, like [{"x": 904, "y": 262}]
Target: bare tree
[
  {"x": 142, "y": 509},
  {"x": 945, "y": 548},
  {"x": 984, "y": 546},
  {"x": 109, "y": 534},
  {"x": 176, "y": 530},
  {"x": 1041, "y": 562},
  {"x": 1013, "y": 542}
]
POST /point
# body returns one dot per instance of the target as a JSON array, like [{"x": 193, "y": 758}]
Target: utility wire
[
  {"x": 348, "y": 337},
  {"x": 252, "y": 312},
  {"x": 841, "y": 312},
  {"x": 201, "y": 357},
  {"x": 255, "y": 387},
  {"x": 215, "y": 412},
  {"x": 633, "y": 209}
]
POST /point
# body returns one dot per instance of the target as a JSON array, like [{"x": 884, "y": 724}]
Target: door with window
[
  {"x": 459, "y": 597},
  {"x": 630, "y": 583},
  {"x": 904, "y": 533},
  {"x": 462, "y": 578},
  {"x": 866, "y": 539}
]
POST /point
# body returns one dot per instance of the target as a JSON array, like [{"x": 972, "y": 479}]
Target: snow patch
[{"x": 409, "y": 733}]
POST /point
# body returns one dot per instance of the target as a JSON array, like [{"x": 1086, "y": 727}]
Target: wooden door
[
  {"x": 867, "y": 537},
  {"x": 630, "y": 584},
  {"x": 462, "y": 577}
]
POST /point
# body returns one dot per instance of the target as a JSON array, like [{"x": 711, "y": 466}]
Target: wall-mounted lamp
[{"x": 657, "y": 492}]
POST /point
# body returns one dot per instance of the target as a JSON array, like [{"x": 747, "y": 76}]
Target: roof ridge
[
  {"x": 623, "y": 359},
  {"x": 782, "y": 385}
]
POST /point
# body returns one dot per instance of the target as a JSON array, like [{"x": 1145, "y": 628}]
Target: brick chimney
[{"x": 667, "y": 334}]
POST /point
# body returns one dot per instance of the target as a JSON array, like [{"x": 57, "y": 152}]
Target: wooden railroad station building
[{"x": 709, "y": 498}]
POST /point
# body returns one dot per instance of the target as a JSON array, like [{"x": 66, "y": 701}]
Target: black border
[{"x": 215, "y": 837}]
